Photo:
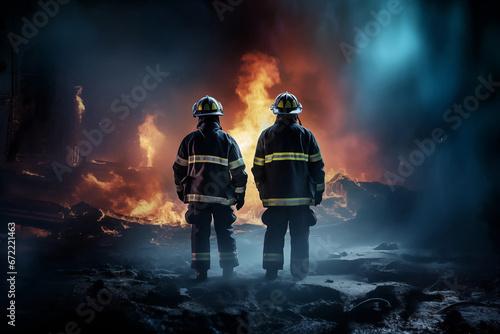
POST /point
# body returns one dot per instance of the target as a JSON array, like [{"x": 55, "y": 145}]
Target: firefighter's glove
[
  {"x": 240, "y": 200},
  {"x": 318, "y": 198},
  {"x": 180, "y": 194}
]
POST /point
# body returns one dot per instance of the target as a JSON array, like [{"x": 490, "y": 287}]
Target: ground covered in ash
[{"x": 125, "y": 277}]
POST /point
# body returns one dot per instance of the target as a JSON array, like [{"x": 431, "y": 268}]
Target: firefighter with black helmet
[
  {"x": 289, "y": 174},
  {"x": 210, "y": 176}
]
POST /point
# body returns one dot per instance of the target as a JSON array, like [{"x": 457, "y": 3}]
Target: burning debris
[
  {"x": 133, "y": 191},
  {"x": 27, "y": 172}
]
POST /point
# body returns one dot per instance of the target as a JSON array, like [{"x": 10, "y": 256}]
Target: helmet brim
[
  {"x": 198, "y": 111},
  {"x": 215, "y": 113},
  {"x": 278, "y": 111}
]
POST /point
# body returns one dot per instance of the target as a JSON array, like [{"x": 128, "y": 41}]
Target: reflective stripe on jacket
[
  {"x": 209, "y": 167},
  {"x": 288, "y": 167}
]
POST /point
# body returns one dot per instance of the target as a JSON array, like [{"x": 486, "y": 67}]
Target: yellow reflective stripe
[
  {"x": 287, "y": 201},
  {"x": 210, "y": 199},
  {"x": 236, "y": 163},
  {"x": 200, "y": 256},
  {"x": 271, "y": 257},
  {"x": 207, "y": 158},
  {"x": 240, "y": 190},
  {"x": 315, "y": 157},
  {"x": 286, "y": 156},
  {"x": 258, "y": 161},
  {"x": 228, "y": 256},
  {"x": 180, "y": 161},
  {"x": 320, "y": 187},
  {"x": 179, "y": 188}
]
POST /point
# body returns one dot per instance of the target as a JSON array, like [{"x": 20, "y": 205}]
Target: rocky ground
[
  {"x": 85, "y": 270},
  {"x": 129, "y": 282}
]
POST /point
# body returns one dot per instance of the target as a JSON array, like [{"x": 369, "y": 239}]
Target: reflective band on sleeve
[
  {"x": 236, "y": 163},
  {"x": 287, "y": 201},
  {"x": 315, "y": 157},
  {"x": 273, "y": 257},
  {"x": 226, "y": 256},
  {"x": 180, "y": 161},
  {"x": 208, "y": 159},
  {"x": 258, "y": 161},
  {"x": 179, "y": 188},
  {"x": 320, "y": 187},
  {"x": 286, "y": 156},
  {"x": 240, "y": 190},
  {"x": 210, "y": 199},
  {"x": 200, "y": 256}
]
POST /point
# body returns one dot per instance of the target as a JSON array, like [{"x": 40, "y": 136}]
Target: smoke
[{"x": 423, "y": 63}]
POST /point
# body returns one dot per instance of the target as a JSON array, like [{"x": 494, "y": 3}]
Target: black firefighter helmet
[
  {"x": 207, "y": 106},
  {"x": 286, "y": 104}
]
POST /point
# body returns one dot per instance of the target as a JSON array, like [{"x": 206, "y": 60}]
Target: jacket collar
[
  {"x": 286, "y": 120},
  {"x": 208, "y": 127}
]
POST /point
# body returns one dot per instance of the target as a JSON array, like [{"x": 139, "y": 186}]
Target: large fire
[
  {"x": 140, "y": 190},
  {"x": 259, "y": 73}
]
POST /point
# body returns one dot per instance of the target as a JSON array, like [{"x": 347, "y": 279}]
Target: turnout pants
[
  {"x": 200, "y": 216},
  {"x": 277, "y": 219}
]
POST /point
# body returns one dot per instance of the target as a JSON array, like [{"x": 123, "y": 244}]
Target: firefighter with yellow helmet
[
  {"x": 209, "y": 175},
  {"x": 289, "y": 174}
]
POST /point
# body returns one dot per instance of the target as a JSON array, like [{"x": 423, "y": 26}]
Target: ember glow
[{"x": 27, "y": 172}]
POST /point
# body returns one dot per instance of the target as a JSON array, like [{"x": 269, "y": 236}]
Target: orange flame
[
  {"x": 107, "y": 186},
  {"x": 134, "y": 192},
  {"x": 149, "y": 138},
  {"x": 27, "y": 172},
  {"x": 79, "y": 106},
  {"x": 259, "y": 73}
]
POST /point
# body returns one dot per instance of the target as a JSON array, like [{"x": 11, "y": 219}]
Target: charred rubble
[{"x": 104, "y": 271}]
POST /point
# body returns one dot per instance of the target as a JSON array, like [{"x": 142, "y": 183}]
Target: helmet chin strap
[{"x": 298, "y": 119}]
